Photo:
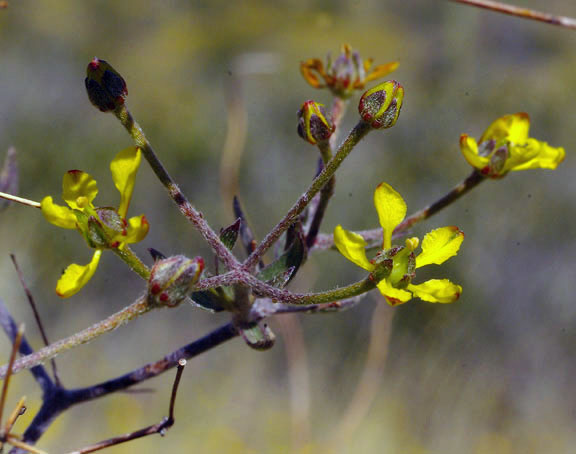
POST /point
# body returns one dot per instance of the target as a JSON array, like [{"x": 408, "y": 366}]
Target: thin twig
[
  {"x": 36, "y": 315},
  {"x": 357, "y": 133},
  {"x": 9, "y": 326},
  {"x": 374, "y": 236},
  {"x": 10, "y": 370},
  {"x": 159, "y": 428},
  {"x": 14, "y": 198},
  {"x": 136, "y": 309},
  {"x": 185, "y": 207},
  {"x": 525, "y": 13}
]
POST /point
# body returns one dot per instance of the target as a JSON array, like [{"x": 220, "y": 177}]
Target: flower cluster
[
  {"x": 103, "y": 228},
  {"x": 394, "y": 267},
  {"x": 505, "y": 146},
  {"x": 345, "y": 74}
]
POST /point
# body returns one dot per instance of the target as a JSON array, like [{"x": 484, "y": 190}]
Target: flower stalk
[
  {"x": 358, "y": 132},
  {"x": 139, "y": 307},
  {"x": 186, "y": 208}
]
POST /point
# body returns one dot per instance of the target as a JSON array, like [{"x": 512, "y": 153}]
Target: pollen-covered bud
[
  {"x": 314, "y": 123},
  {"x": 106, "y": 88},
  {"x": 380, "y": 106},
  {"x": 171, "y": 279}
]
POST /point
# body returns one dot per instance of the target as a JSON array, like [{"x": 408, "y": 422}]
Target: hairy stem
[
  {"x": 132, "y": 260},
  {"x": 284, "y": 296},
  {"x": 473, "y": 180},
  {"x": 136, "y": 309},
  {"x": 186, "y": 208},
  {"x": 357, "y": 133}
]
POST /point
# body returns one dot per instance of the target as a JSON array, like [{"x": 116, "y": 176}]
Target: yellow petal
[
  {"x": 311, "y": 69},
  {"x": 124, "y": 168},
  {"x": 136, "y": 230},
  {"x": 394, "y": 296},
  {"x": 58, "y": 215},
  {"x": 469, "y": 149},
  {"x": 381, "y": 70},
  {"x": 513, "y": 128},
  {"x": 436, "y": 291},
  {"x": 76, "y": 276},
  {"x": 535, "y": 155},
  {"x": 352, "y": 246},
  {"x": 439, "y": 245},
  {"x": 78, "y": 189},
  {"x": 391, "y": 210}
]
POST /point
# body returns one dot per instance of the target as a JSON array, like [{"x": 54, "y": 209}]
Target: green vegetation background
[{"x": 492, "y": 373}]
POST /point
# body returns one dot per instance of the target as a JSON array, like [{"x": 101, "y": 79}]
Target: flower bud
[
  {"x": 106, "y": 88},
  {"x": 380, "y": 106},
  {"x": 314, "y": 124},
  {"x": 172, "y": 278}
]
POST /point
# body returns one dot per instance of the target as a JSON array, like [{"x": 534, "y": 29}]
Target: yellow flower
[
  {"x": 345, "y": 74},
  {"x": 103, "y": 228},
  {"x": 395, "y": 267},
  {"x": 505, "y": 146}
]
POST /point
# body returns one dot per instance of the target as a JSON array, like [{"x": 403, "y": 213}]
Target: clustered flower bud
[
  {"x": 314, "y": 123},
  {"x": 171, "y": 279},
  {"x": 105, "y": 86},
  {"x": 380, "y": 106}
]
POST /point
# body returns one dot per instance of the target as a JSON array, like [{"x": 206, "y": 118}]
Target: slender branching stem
[
  {"x": 133, "y": 261},
  {"x": 284, "y": 296},
  {"x": 339, "y": 107},
  {"x": 525, "y": 13},
  {"x": 374, "y": 236},
  {"x": 325, "y": 194},
  {"x": 185, "y": 207},
  {"x": 357, "y": 133},
  {"x": 136, "y": 309},
  {"x": 473, "y": 180}
]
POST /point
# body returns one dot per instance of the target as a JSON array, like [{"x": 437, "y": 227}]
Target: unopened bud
[
  {"x": 106, "y": 88},
  {"x": 314, "y": 124},
  {"x": 171, "y": 279},
  {"x": 380, "y": 106}
]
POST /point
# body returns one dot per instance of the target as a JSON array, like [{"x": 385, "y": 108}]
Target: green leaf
[
  {"x": 284, "y": 268},
  {"x": 229, "y": 235},
  {"x": 259, "y": 336}
]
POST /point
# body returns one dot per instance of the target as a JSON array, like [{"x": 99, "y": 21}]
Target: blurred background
[{"x": 491, "y": 373}]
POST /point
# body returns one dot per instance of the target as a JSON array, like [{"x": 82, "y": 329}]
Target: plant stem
[
  {"x": 474, "y": 179},
  {"x": 525, "y": 13},
  {"x": 357, "y": 133},
  {"x": 284, "y": 296},
  {"x": 375, "y": 235},
  {"x": 14, "y": 198},
  {"x": 136, "y": 309},
  {"x": 325, "y": 194},
  {"x": 133, "y": 261},
  {"x": 186, "y": 208}
]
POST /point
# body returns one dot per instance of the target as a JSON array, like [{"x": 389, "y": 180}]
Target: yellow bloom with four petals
[
  {"x": 505, "y": 146},
  {"x": 395, "y": 267},
  {"x": 103, "y": 228}
]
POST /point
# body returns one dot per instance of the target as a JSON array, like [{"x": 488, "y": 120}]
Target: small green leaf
[
  {"x": 259, "y": 337},
  {"x": 229, "y": 235},
  {"x": 283, "y": 269},
  {"x": 212, "y": 299}
]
